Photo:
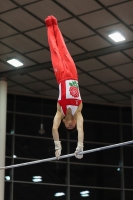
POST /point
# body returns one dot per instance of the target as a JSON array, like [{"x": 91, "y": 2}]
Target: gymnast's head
[{"x": 70, "y": 123}]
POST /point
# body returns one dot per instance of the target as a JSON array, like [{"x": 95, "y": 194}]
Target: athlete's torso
[{"x": 69, "y": 96}]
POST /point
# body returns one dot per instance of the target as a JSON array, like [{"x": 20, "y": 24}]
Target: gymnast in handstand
[{"x": 69, "y": 105}]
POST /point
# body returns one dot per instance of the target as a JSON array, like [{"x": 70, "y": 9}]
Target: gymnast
[{"x": 69, "y": 105}]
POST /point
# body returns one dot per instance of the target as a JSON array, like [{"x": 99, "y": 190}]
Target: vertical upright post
[
  {"x": 121, "y": 161},
  {"x": 13, "y": 149},
  {"x": 3, "y": 101},
  {"x": 132, "y": 113}
]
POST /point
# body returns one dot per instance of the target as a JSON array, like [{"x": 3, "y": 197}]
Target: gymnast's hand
[
  {"x": 78, "y": 150},
  {"x": 57, "y": 149}
]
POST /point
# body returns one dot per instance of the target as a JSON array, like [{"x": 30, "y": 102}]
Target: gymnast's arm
[
  {"x": 80, "y": 127},
  {"x": 80, "y": 130},
  {"x": 56, "y": 124}
]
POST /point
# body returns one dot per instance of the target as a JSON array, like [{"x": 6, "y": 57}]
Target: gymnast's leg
[
  {"x": 69, "y": 63},
  {"x": 55, "y": 54}
]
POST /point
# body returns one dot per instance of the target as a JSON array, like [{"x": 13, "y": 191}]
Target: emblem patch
[{"x": 74, "y": 89}]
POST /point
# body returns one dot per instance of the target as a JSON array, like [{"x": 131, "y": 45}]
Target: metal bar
[
  {"x": 68, "y": 155},
  {"x": 3, "y": 108},
  {"x": 132, "y": 112}
]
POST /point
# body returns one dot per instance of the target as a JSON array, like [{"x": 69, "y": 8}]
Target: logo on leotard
[
  {"x": 76, "y": 102},
  {"x": 74, "y": 91}
]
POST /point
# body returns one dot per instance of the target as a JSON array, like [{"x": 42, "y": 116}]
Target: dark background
[{"x": 96, "y": 172}]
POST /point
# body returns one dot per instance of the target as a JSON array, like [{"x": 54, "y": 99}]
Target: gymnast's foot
[
  {"x": 48, "y": 21},
  {"x": 54, "y": 20}
]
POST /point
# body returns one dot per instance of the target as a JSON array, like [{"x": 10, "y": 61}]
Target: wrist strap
[
  {"x": 80, "y": 144},
  {"x": 57, "y": 145}
]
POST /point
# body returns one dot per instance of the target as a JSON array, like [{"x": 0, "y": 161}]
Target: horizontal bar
[{"x": 68, "y": 155}]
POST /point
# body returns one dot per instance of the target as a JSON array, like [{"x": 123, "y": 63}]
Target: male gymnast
[{"x": 69, "y": 105}]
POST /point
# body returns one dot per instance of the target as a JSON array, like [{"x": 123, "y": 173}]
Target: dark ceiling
[{"x": 105, "y": 67}]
